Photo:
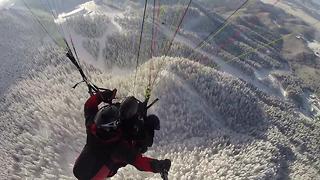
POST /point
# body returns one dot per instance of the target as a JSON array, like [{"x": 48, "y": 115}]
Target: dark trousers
[
  {"x": 91, "y": 165},
  {"x": 99, "y": 164}
]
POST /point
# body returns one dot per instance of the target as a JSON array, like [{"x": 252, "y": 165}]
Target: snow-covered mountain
[
  {"x": 5, "y": 4},
  {"x": 242, "y": 118}
]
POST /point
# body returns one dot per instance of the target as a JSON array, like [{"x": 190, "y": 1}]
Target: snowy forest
[{"x": 242, "y": 105}]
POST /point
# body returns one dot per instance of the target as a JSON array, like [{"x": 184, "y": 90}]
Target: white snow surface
[
  {"x": 206, "y": 138},
  {"x": 90, "y": 8},
  {"x": 213, "y": 125},
  {"x": 315, "y": 47},
  {"x": 5, "y": 4}
]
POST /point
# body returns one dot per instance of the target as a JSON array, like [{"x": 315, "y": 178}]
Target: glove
[
  {"x": 161, "y": 166},
  {"x": 143, "y": 149},
  {"x": 152, "y": 122},
  {"x": 107, "y": 96}
]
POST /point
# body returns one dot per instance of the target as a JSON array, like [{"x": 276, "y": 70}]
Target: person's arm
[
  {"x": 151, "y": 165},
  {"x": 91, "y": 105},
  {"x": 126, "y": 152},
  {"x": 91, "y": 109},
  {"x": 143, "y": 144},
  {"x": 143, "y": 163},
  {"x": 151, "y": 123}
]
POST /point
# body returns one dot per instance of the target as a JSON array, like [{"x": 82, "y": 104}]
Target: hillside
[{"x": 240, "y": 107}]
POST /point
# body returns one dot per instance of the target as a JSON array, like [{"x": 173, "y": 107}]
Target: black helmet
[
  {"x": 107, "y": 118},
  {"x": 129, "y": 107}
]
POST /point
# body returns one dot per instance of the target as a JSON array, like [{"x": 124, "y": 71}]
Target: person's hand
[
  {"x": 108, "y": 95},
  {"x": 161, "y": 166},
  {"x": 114, "y": 93},
  {"x": 143, "y": 149},
  {"x": 152, "y": 122}
]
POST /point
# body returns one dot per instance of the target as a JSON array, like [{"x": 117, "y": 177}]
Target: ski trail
[
  {"x": 91, "y": 9},
  {"x": 225, "y": 66},
  {"x": 118, "y": 28}
]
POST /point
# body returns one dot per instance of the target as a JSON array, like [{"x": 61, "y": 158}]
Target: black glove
[
  {"x": 142, "y": 149},
  {"x": 152, "y": 122},
  {"x": 107, "y": 96},
  {"x": 161, "y": 166}
]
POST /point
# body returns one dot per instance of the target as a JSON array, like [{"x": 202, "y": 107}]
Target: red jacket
[{"x": 117, "y": 148}]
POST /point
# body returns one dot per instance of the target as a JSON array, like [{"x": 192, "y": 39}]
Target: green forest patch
[{"x": 310, "y": 76}]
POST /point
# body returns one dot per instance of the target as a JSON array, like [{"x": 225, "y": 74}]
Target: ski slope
[{"x": 213, "y": 124}]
